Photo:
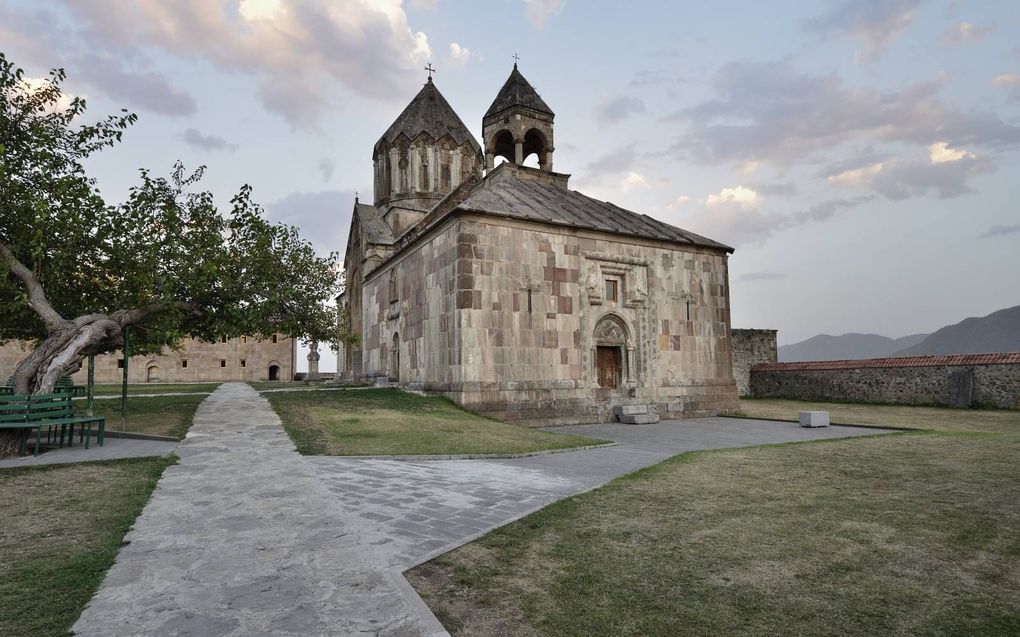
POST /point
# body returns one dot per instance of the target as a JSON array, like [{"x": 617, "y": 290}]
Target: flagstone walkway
[{"x": 246, "y": 537}]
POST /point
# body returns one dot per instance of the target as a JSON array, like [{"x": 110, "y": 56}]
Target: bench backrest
[{"x": 19, "y": 408}]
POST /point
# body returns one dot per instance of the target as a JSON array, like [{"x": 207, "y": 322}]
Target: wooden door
[{"x": 608, "y": 365}]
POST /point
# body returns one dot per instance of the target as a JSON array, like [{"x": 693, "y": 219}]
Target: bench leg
[
  {"x": 88, "y": 435},
  {"x": 38, "y": 434},
  {"x": 102, "y": 430}
]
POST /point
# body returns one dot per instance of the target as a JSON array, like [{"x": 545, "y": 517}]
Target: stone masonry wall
[
  {"x": 535, "y": 364},
  {"x": 751, "y": 347},
  {"x": 995, "y": 385},
  {"x": 421, "y": 314},
  {"x": 206, "y": 362}
]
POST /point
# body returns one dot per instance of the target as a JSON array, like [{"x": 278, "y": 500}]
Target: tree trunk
[{"x": 61, "y": 353}]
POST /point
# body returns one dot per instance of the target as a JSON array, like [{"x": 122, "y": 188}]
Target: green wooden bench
[
  {"x": 64, "y": 386},
  {"x": 50, "y": 411}
]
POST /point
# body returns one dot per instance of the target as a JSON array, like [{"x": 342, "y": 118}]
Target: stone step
[
  {"x": 639, "y": 419},
  {"x": 630, "y": 410}
]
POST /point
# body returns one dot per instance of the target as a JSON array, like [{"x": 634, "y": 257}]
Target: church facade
[{"x": 519, "y": 298}]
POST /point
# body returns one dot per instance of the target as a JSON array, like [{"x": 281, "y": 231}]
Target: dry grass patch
[
  {"x": 62, "y": 527},
  {"x": 907, "y": 534},
  {"x": 393, "y": 422},
  {"x": 937, "y": 418},
  {"x": 114, "y": 389}
]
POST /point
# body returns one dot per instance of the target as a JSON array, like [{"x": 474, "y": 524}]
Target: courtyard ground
[
  {"x": 62, "y": 526},
  {"x": 392, "y": 422},
  {"x": 915, "y": 533}
]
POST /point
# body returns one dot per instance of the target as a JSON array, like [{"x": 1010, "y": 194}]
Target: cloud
[
  {"x": 965, "y": 32},
  {"x": 913, "y": 178},
  {"x": 634, "y": 180},
  {"x": 740, "y": 195},
  {"x": 998, "y": 231},
  {"x": 650, "y": 77},
  {"x": 779, "y": 189},
  {"x": 538, "y": 12},
  {"x": 876, "y": 23},
  {"x": 31, "y": 85},
  {"x": 326, "y": 168},
  {"x": 1007, "y": 79},
  {"x": 192, "y": 137},
  {"x": 856, "y": 176},
  {"x": 679, "y": 201},
  {"x": 299, "y": 51},
  {"x": 768, "y": 112},
  {"x": 613, "y": 162},
  {"x": 761, "y": 276},
  {"x": 324, "y": 217},
  {"x": 940, "y": 153},
  {"x": 459, "y": 56},
  {"x": 615, "y": 110},
  {"x": 735, "y": 223}
]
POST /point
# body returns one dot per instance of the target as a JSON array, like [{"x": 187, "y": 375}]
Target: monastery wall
[
  {"x": 750, "y": 348},
  {"x": 965, "y": 380},
  {"x": 243, "y": 359}
]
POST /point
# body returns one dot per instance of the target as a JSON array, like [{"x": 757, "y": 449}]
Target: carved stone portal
[{"x": 610, "y": 332}]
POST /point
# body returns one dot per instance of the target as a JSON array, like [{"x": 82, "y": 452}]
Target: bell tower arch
[{"x": 518, "y": 124}]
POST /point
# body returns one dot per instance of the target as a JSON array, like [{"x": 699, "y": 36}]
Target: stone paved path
[
  {"x": 416, "y": 510},
  {"x": 240, "y": 538}
]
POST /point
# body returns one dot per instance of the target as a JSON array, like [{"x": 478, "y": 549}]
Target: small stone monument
[
  {"x": 814, "y": 419},
  {"x": 313, "y": 363}
]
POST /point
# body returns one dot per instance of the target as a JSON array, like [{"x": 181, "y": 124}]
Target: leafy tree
[{"x": 76, "y": 271}]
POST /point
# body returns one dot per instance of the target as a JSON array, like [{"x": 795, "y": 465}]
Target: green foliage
[{"x": 226, "y": 273}]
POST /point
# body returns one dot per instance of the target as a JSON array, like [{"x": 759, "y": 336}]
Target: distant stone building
[
  {"x": 243, "y": 358},
  {"x": 518, "y": 297}
]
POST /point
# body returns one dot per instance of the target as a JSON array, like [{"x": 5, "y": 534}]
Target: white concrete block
[{"x": 814, "y": 419}]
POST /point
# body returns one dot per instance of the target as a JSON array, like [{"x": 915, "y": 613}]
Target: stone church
[{"x": 517, "y": 297}]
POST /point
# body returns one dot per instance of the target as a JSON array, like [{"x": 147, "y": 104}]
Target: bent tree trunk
[{"x": 59, "y": 354}]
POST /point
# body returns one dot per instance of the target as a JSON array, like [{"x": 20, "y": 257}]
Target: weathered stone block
[{"x": 814, "y": 419}]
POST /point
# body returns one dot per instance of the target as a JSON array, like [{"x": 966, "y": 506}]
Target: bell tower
[{"x": 518, "y": 124}]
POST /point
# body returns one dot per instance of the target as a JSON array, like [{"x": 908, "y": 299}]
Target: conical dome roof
[
  {"x": 429, "y": 112},
  {"x": 517, "y": 91}
]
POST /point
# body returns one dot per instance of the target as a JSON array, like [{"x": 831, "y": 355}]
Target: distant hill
[
  {"x": 846, "y": 346},
  {"x": 997, "y": 332}
]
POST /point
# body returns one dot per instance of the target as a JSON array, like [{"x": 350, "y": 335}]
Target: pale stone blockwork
[
  {"x": 244, "y": 358},
  {"x": 750, "y": 348}
]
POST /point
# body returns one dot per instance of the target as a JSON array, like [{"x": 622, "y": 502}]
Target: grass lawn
[
  {"x": 916, "y": 533},
  {"x": 939, "y": 418},
  {"x": 161, "y": 388},
  {"x": 392, "y": 422},
  {"x": 160, "y": 415},
  {"x": 62, "y": 527}
]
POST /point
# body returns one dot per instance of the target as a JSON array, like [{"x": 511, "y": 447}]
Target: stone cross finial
[
  {"x": 516, "y": 59},
  {"x": 430, "y": 69}
]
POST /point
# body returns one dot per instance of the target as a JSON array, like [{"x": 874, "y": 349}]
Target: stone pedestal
[{"x": 313, "y": 363}]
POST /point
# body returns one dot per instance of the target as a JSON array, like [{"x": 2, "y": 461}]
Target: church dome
[{"x": 425, "y": 153}]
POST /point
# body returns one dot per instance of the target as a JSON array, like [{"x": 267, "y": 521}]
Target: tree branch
[
  {"x": 127, "y": 317},
  {"x": 36, "y": 295}
]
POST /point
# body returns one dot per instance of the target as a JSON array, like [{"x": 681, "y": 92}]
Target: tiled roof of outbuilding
[
  {"x": 429, "y": 112},
  {"x": 517, "y": 91},
  {"x": 537, "y": 200},
  {"x": 1007, "y": 358}
]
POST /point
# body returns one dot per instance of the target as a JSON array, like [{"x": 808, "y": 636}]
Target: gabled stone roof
[
  {"x": 504, "y": 193},
  {"x": 373, "y": 226},
  {"x": 430, "y": 113},
  {"x": 517, "y": 91}
]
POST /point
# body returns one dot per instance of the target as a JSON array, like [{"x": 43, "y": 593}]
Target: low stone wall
[
  {"x": 750, "y": 348},
  {"x": 966, "y": 380}
]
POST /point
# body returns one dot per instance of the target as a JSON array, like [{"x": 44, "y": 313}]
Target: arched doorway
[
  {"x": 274, "y": 372},
  {"x": 152, "y": 373},
  {"x": 395, "y": 358},
  {"x": 610, "y": 353}
]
